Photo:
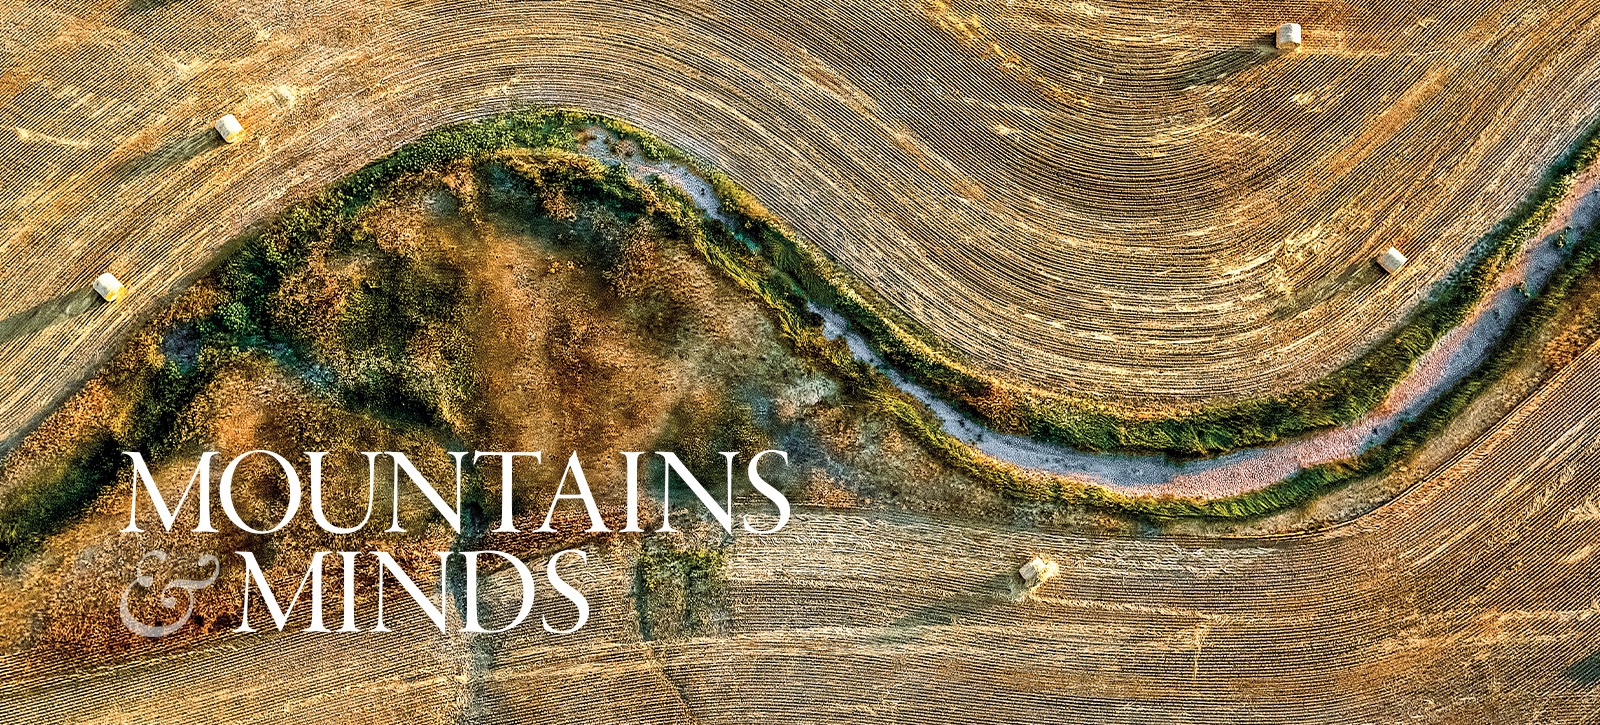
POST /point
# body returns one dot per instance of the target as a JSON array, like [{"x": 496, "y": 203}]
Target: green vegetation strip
[
  {"x": 763, "y": 257},
  {"x": 1342, "y": 397},
  {"x": 756, "y": 253}
]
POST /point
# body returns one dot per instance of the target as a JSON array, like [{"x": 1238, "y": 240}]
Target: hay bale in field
[
  {"x": 1038, "y": 571},
  {"x": 1289, "y": 36},
  {"x": 109, "y": 287},
  {"x": 229, "y": 128},
  {"x": 1392, "y": 260}
]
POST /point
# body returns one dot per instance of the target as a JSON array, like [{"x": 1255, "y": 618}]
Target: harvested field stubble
[
  {"x": 1469, "y": 602},
  {"x": 412, "y": 300},
  {"x": 1201, "y": 236},
  {"x": 364, "y": 298},
  {"x": 1133, "y": 203}
]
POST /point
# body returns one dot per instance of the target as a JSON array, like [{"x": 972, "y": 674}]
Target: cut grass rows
[{"x": 757, "y": 254}]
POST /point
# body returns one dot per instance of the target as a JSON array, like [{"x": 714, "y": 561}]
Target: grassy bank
[{"x": 1339, "y": 398}]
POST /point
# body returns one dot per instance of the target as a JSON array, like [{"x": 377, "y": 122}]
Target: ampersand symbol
[{"x": 189, "y": 587}]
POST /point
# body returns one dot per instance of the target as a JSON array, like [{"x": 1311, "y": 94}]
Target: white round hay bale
[
  {"x": 1289, "y": 36},
  {"x": 229, "y": 128},
  {"x": 109, "y": 287}
]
